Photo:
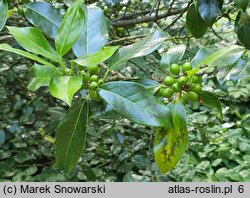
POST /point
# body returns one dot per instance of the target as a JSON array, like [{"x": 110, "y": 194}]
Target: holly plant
[{"x": 73, "y": 60}]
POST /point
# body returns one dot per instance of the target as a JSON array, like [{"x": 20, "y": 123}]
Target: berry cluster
[
  {"x": 91, "y": 81},
  {"x": 180, "y": 85}
]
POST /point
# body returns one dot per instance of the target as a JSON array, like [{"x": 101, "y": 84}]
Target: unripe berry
[
  {"x": 176, "y": 87},
  {"x": 197, "y": 79},
  {"x": 93, "y": 70},
  {"x": 94, "y": 95},
  {"x": 193, "y": 96},
  {"x": 93, "y": 78},
  {"x": 169, "y": 80},
  {"x": 182, "y": 80},
  {"x": 85, "y": 77},
  {"x": 167, "y": 93},
  {"x": 196, "y": 89},
  {"x": 186, "y": 67},
  {"x": 68, "y": 71},
  {"x": 183, "y": 98},
  {"x": 175, "y": 69},
  {"x": 100, "y": 82},
  {"x": 93, "y": 86}
]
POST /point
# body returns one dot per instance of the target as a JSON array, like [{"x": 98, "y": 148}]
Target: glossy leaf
[
  {"x": 150, "y": 85},
  {"x": 44, "y": 16},
  {"x": 64, "y": 87},
  {"x": 101, "y": 110},
  {"x": 42, "y": 76},
  {"x": 242, "y": 4},
  {"x": 33, "y": 40},
  {"x": 173, "y": 55},
  {"x": 95, "y": 33},
  {"x": 202, "y": 54},
  {"x": 70, "y": 29},
  {"x": 239, "y": 71},
  {"x": 2, "y": 137},
  {"x": 211, "y": 100},
  {"x": 71, "y": 136},
  {"x": 242, "y": 28},
  {"x": 170, "y": 142},
  {"x": 209, "y": 10},
  {"x": 135, "y": 103},
  {"x": 196, "y": 25},
  {"x": 3, "y": 13},
  {"x": 94, "y": 59},
  {"x": 33, "y": 57},
  {"x": 222, "y": 57},
  {"x": 142, "y": 48}
]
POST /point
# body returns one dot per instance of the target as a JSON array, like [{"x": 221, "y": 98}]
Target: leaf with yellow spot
[{"x": 170, "y": 143}]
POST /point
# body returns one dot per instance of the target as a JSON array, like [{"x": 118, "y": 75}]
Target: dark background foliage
[{"x": 118, "y": 150}]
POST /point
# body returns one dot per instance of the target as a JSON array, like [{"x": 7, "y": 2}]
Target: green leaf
[
  {"x": 94, "y": 59},
  {"x": 95, "y": 33},
  {"x": 242, "y": 28},
  {"x": 170, "y": 142},
  {"x": 173, "y": 55},
  {"x": 142, "y": 48},
  {"x": 196, "y": 25},
  {"x": 3, "y": 13},
  {"x": 209, "y": 10},
  {"x": 150, "y": 85},
  {"x": 135, "y": 103},
  {"x": 71, "y": 136},
  {"x": 211, "y": 100},
  {"x": 8, "y": 48},
  {"x": 242, "y": 4},
  {"x": 44, "y": 16},
  {"x": 64, "y": 87},
  {"x": 70, "y": 29},
  {"x": 225, "y": 56},
  {"x": 2, "y": 137},
  {"x": 239, "y": 71},
  {"x": 42, "y": 76},
  {"x": 202, "y": 54},
  {"x": 33, "y": 40}
]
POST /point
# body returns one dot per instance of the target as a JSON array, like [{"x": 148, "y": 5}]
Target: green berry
[
  {"x": 192, "y": 86},
  {"x": 176, "y": 87},
  {"x": 175, "y": 69},
  {"x": 93, "y": 78},
  {"x": 93, "y": 86},
  {"x": 182, "y": 80},
  {"x": 193, "y": 96},
  {"x": 196, "y": 89},
  {"x": 68, "y": 71},
  {"x": 169, "y": 80},
  {"x": 100, "y": 82},
  {"x": 93, "y": 70},
  {"x": 167, "y": 93},
  {"x": 186, "y": 67},
  {"x": 94, "y": 95},
  {"x": 85, "y": 77},
  {"x": 183, "y": 98},
  {"x": 197, "y": 79}
]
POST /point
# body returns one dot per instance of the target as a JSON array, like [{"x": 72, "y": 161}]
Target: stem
[
  {"x": 178, "y": 96},
  {"x": 106, "y": 74},
  {"x": 62, "y": 64}
]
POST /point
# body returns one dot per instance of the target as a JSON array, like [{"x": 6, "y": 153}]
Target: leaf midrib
[
  {"x": 69, "y": 28},
  {"x": 71, "y": 138},
  {"x": 50, "y": 54},
  {"x": 128, "y": 100},
  {"x": 33, "y": 57},
  {"x": 126, "y": 57}
]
